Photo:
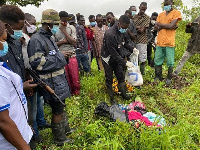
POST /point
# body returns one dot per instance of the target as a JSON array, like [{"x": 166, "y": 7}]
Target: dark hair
[
  {"x": 2, "y": 28},
  {"x": 11, "y": 14},
  {"x": 110, "y": 13},
  {"x": 63, "y": 14},
  {"x": 143, "y": 4},
  {"x": 154, "y": 14},
  {"x": 98, "y": 16},
  {"x": 124, "y": 19},
  {"x": 91, "y": 16},
  {"x": 28, "y": 17},
  {"x": 128, "y": 12},
  {"x": 131, "y": 7},
  {"x": 79, "y": 17}
]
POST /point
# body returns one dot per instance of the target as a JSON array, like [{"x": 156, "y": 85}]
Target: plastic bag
[{"x": 133, "y": 75}]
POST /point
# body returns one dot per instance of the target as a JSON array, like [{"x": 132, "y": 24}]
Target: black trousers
[{"x": 118, "y": 70}]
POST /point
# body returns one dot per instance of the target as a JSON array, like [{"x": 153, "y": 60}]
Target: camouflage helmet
[{"x": 50, "y": 16}]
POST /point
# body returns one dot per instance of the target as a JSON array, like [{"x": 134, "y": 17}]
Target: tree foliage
[
  {"x": 36, "y": 3},
  {"x": 188, "y": 13}
]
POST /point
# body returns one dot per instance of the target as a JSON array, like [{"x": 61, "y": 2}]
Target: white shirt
[
  {"x": 9, "y": 100},
  {"x": 24, "y": 51}
]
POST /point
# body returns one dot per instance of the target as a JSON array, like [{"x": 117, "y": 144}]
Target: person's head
[
  {"x": 154, "y": 16},
  {"x": 105, "y": 20},
  {"x": 81, "y": 20},
  {"x": 3, "y": 37},
  {"x": 123, "y": 24},
  {"x": 92, "y": 20},
  {"x": 63, "y": 17},
  {"x": 128, "y": 13},
  {"x": 71, "y": 19},
  {"x": 13, "y": 18},
  {"x": 168, "y": 5},
  {"x": 142, "y": 8},
  {"x": 50, "y": 20},
  {"x": 133, "y": 10},
  {"x": 99, "y": 20},
  {"x": 110, "y": 18},
  {"x": 30, "y": 24}
]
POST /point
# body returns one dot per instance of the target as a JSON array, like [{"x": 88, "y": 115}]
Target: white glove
[
  {"x": 136, "y": 51},
  {"x": 129, "y": 64}
]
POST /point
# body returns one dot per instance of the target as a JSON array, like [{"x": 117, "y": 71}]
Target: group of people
[{"x": 49, "y": 49}]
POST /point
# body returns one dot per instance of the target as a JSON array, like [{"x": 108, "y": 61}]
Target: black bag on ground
[{"x": 114, "y": 112}]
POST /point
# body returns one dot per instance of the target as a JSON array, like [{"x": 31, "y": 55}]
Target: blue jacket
[{"x": 49, "y": 62}]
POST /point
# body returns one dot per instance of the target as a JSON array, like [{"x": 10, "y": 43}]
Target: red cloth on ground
[
  {"x": 72, "y": 72},
  {"x": 133, "y": 115}
]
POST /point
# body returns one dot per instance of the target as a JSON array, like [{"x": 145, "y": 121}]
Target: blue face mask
[
  {"x": 55, "y": 29},
  {"x": 17, "y": 34},
  {"x": 5, "y": 49},
  {"x": 93, "y": 24},
  {"x": 122, "y": 30},
  {"x": 167, "y": 8},
  {"x": 133, "y": 13}
]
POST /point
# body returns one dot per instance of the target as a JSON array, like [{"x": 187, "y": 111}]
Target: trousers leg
[{"x": 182, "y": 62}]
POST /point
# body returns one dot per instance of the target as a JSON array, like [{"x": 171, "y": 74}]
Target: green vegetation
[
  {"x": 36, "y": 3},
  {"x": 179, "y": 104}
]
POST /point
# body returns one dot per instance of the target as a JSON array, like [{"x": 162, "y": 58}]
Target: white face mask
[
  {"x": 31, "y": 28},
  {"x": 153, "y": 22}
]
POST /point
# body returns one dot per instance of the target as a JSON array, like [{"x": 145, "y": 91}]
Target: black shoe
[
  {"x": 169, "y": 76},
  {"x": 37, "y": 138},
  {"x": 32, "y": 144},
  {"x": 158, "y": 73},
  {"x": 59, "y": 134},
  {"x": 123, "y": 89},
  {"x": 47, "y": 125}
]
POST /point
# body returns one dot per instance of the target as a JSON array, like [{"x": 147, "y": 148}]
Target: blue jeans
[
  {"x": 37, "y": 111},
  {"x": 83, "y": 60}
]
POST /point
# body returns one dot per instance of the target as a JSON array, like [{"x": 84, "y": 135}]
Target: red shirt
[{"x": 89, "y": 35}]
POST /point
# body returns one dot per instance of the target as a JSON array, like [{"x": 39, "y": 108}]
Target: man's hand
[
  {"x": 28, "y": 86},
  {"x": 67, "y": 53},
  {"x": 63, "y": 28},
  {"x": 65, "y": 41}
]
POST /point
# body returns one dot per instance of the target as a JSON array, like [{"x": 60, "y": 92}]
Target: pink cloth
[
  {"x": 72, "y": 72},
  {"x": 133, "y": 115}
]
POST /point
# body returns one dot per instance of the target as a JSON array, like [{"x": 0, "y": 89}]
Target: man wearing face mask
[
  {"x": 36, "y": 102},
  {"x": 113, "y": 59},
  {"x": 13, "y": 18},
  {"x": 151, "y": 38},
  {"x": 141, "y": 21},
  {"x": 15, "y": 133},
  {"x": 166, "y": 24},
  {"x": 133, "y": 10},
  {"x": 46, "y": 59}
]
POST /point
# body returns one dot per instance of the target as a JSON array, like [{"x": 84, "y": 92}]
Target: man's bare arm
[{"x": 10, "y": 131}]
